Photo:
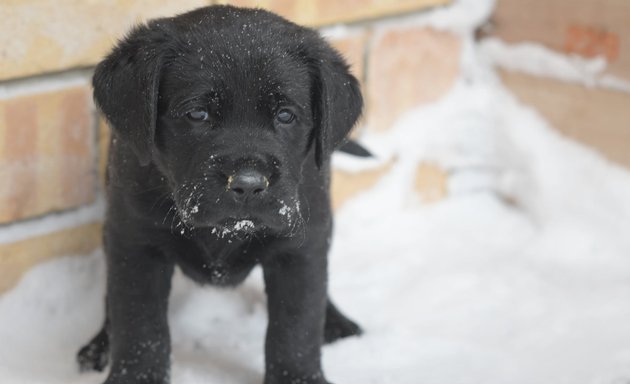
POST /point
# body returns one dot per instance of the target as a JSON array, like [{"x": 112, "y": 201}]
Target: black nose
[{"x": 247, "y": 183}]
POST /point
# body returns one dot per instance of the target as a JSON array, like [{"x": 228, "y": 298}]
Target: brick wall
[
  {"x": 52, "y": 142},
  {"x": 591, "y": 108}
]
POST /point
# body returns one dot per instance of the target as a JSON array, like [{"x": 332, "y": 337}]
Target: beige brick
[
  {"x": 103, "y": 149},
  {"x": 346, "y": 185},
  {"x": 324, "y": 12},
  {"x": 596, "y": 117},
  {"x": 16, "y": 258},
  {"x": 46, "y": 153},
  {"x": 431, "y": 182},
  {"x": 406, "y": 68},
  {"x": 42, "y": 36},
  {"x": 353, "y": 49}
]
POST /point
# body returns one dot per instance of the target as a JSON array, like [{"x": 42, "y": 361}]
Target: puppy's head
[{"x": 231, "y": 105}]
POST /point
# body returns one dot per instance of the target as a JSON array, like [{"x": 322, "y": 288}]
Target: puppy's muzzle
[{"x": 247, "y": 183}]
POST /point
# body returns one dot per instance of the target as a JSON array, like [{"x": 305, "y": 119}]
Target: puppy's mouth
[
  {"x": 223, "y": 224},
  {"x": 236, "y": 226},
  {"x": 280, "y": 218}
]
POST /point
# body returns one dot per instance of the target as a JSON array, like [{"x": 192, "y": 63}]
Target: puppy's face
[
  {"x": 232, "y": 134},
  {"x": 230, "y": 105}
]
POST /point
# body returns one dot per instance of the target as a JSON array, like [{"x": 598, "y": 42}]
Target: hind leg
[
  {"x": 337, "y": 325},
  {"x": 94, "y": 356}
]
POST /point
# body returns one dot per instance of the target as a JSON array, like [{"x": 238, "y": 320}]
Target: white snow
[
  {"x": 243, "y": 224},
  {"x": 536, "y": 59},
  {"x": 349, "y": 163},
  {"x": 520, "y": 276},
  {"x": 460, "y": 17},
  {"x": 287, "y": 211},
  {"x": 284, "y": 210},
  {"x": 54, "y": 222},
  {"x": 29, "y": 86}
]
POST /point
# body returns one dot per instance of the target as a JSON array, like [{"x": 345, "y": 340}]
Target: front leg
[
  {"x": 296, "y": 291},
  {"x": 138, "y": 285}
]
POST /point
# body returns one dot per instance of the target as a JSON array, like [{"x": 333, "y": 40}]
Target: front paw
[
  {"x": 285, "y": 377},
  {"x": 128, "y": 377},
  {"x": 132, "y": 380}
]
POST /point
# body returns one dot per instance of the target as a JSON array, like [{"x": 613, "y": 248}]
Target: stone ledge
[{"x": 18, "y": 257}]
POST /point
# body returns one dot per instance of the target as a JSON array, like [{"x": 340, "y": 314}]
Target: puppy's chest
[{"x": 208, "y": 260}]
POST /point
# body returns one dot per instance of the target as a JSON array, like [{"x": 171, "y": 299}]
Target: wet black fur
[{"x": 169, "y": 197}]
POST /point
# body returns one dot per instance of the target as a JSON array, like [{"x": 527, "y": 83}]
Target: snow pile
[
  {"x": 521, "y": 276},
  {"x": 538, "y": 60}
]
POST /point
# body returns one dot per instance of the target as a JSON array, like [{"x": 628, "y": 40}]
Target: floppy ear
[
  {"x": 126, "y": 87},
  {"x": 337, "y": 101}
]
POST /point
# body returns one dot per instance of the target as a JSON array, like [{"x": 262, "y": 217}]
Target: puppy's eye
[
  {"x": 285, "y": 116},
  {"x": 197, "y": 115}
]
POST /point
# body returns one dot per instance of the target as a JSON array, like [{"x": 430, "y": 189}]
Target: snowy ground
[{"x": 521, "y": 276}]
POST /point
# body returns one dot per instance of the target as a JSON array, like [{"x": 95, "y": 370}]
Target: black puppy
[{"x": 224, "y": 120}]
